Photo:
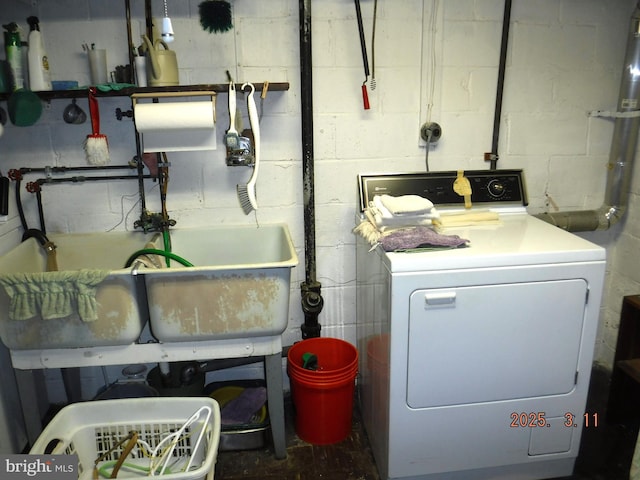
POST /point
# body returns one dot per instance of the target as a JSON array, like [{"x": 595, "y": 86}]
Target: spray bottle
[
  {"x": 13, "y": 49},
  {"x": 39, "y": 75}
]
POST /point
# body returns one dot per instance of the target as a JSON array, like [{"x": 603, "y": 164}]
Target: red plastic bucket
[{"x": 323, "y": 398}]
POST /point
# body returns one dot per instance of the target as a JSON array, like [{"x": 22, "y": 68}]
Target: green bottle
[{"x": 13, "y": 48}]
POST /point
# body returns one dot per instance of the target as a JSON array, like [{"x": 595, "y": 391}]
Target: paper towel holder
[
  {"x": 196, "y": 93},
  {"x": 174, "y": 125}
]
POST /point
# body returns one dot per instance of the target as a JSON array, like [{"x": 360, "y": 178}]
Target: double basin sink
[{"x": 238, "y": 287}]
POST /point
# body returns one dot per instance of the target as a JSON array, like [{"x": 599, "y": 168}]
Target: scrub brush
[
  {"x": 247, "y": 192},
  {"x": 215, "y": 16},
  {"x": 95, "y": 146}
]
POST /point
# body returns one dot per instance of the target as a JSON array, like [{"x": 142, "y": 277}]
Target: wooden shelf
[{"x": 128, "y": 91}]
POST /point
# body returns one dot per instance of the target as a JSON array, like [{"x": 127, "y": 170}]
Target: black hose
[
  {"x": 41, "y": 211},
  {"x": 37, "y": 234},
  {"x": 23, "y": 219},
  {"x": 493, "y": 158}
]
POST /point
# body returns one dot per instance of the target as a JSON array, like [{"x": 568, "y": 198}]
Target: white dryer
[{"x": 475, "y": 362}]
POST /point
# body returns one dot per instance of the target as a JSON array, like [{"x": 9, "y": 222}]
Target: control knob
[{"x": 496, "y": 188}]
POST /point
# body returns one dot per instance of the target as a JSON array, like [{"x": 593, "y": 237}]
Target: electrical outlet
[{"x": 431, "y": 132}]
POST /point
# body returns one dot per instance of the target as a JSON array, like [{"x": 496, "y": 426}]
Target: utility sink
[
  {"x": 90, "y": 300},
  {"x": 238, "y": 287}
]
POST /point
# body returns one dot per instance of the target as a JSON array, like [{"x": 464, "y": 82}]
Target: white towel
[
  {"x": 467, "y": 219},
  {"x": 384, "y": 222},
  {"x": 405, "y": 204}
]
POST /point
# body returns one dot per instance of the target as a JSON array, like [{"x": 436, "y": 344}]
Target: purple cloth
[
  {"x": 420, "y": 237},
  {"x": 240, "y": 410}
]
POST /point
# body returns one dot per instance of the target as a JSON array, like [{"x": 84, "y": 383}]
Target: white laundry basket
[{"x": 92, "y": 430}]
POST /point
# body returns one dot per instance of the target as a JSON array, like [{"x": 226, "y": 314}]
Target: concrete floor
[{"x": 605, "y": 452}]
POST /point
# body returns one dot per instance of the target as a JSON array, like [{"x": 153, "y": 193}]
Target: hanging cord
[
  {"x": 426, "y": 155},
  {"x": 432, "y": 20},
  {"x": 433, "y": 17}
]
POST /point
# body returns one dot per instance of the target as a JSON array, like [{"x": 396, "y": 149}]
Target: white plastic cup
[
  {"x": 98, "y": 66},
  {"x": 141, "y": 70}
]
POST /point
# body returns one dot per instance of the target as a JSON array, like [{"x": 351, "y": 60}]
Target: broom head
[{"x": 97, "y": 149}]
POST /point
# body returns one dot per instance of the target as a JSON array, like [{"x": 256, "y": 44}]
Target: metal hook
[{"x": 253, "y": 89}]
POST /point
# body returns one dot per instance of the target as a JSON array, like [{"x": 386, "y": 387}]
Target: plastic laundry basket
[
  {"x": 323, "y": 398},
  {"x": 93, "y": 429}
]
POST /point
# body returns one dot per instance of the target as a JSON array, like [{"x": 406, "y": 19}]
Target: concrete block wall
[{"x": 434, "y": 60}]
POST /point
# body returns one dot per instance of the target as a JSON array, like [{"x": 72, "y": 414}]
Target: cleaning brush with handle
[
  {"x": 247, "y": 192},
  {"x": 95, "y": 146},
  {"x": 231, "y": 138}
]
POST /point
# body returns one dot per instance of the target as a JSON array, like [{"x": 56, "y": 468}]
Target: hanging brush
[
  {"x": 95, "y": 146},
  {"x": 247, "y": 192},
  {"x": 215, "y": 16}
]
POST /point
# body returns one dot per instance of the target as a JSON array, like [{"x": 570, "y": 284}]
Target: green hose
[
  {"x": 107, "y": 467},
  {"x": 154, "y": 251},
  {"x": 167, "y": 246}
]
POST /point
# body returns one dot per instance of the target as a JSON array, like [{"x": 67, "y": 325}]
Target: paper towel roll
[
  {"x": 173, "y": 116},
  {"x": 176, "y": 126}
]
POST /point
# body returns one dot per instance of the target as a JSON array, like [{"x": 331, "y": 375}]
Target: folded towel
[
  {"x": 405, "y": 204},
  {"x": 383, "y": 219},
  {"x": 53, "y": 294},
  {"x": 420, "y": 237},
  {"x": 368, "y": 231},
  {"x": 466, "y": 219},
  {"x": 240, "y": 410}
]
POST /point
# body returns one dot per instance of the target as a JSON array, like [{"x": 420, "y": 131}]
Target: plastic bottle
[
  {"x": 13, "y": 49},
  {"x": 39, "y": 75}
]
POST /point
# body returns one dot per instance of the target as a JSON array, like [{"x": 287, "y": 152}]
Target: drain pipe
[
  {"x": 311, "y": 301},
  {"x": 623, "y": 147},
  {"x": 504, "y": 44}
]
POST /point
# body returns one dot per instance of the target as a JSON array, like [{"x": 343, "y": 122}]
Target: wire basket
[{"x": 170, "y": 437}]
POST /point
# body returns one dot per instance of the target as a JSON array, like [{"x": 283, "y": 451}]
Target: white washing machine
[{"x": 475, "y": 362}]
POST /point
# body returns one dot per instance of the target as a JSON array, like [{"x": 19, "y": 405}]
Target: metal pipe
[
  {"x": 81, "y": 179},
  {"x": 127, "y": 8},
  {"x": 506, "y": 21},
  {"x": 148, "y": 17},
  {"x": 623, "y": 148},
  {"x": 310, "y": 289},
  {"x": 63, "y": 169}
]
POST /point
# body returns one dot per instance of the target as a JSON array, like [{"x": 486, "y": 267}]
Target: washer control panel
[{"x": 487, "y": 187}]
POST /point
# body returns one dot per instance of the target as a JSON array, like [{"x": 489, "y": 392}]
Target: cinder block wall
[{"x": 434, "y": 60}]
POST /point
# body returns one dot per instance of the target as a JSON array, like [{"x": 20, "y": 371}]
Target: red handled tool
[{"x": 365, "y": 60}]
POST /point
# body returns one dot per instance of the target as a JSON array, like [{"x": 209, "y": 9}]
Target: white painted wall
[{"x": 565, "y": 59}]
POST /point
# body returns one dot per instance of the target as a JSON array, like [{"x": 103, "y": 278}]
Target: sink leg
[
  {"x": 27, "y": 382},
  {"x": 275, "y": 397},
  {"x": 71, "y": 381}
]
